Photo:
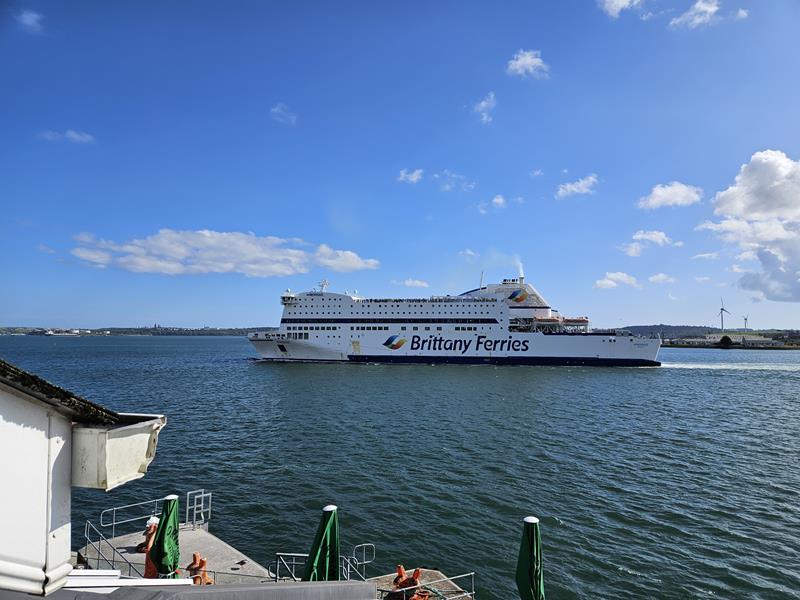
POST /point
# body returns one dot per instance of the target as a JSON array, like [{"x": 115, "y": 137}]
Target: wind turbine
[
  {"x": 722, "y": 311},
  {"x": 747, "y": 318}
]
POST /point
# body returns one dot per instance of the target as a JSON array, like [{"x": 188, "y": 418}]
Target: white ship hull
[
  {"x": 501, "y": 324},
  {"x": 542, "y": 349}
]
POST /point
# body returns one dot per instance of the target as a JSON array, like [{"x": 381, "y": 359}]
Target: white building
[{"x": 51, "y": 440}]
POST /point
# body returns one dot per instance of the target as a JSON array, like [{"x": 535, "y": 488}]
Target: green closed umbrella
[
  {"x": 165, "y": 553},
  {"x": 323, "y": 559},
  {"x": 530, "y": 577}
]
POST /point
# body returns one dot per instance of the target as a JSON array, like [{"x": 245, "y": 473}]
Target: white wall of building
[{"x": 35, "y": 490}]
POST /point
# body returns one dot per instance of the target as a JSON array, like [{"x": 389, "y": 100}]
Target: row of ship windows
[
  {"x": 303, "y": 335},
  {"x": 468, "y": 312},
  {"x": 312, "y": 304},
  {"x": 367, "y": 328}
]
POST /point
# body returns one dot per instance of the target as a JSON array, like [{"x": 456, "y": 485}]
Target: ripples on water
[{"x": 682, "y": 481}]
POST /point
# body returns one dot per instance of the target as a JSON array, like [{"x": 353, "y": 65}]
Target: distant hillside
[{"x": 672, "y": 331}]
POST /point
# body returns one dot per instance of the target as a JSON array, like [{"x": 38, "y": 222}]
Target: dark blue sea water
[{"x": 674, "y": 482}]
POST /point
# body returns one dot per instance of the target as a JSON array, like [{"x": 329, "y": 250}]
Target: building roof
[{"x": 78, "y": 409}]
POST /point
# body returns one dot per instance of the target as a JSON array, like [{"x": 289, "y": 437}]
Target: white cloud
[
  {"x": 449, "y": 181},
  {"x": 485, "y": 107},
  {"x": 45, "y": 248},
  {"x": 642, "y": 238},
  {"x": 281, "y": 113},
  {"x": 706, "y": 256},
  {"x": 633, "y": 249},
  {"x": 671, "y": 297},
  {"x": 497, "y": 202},
  {"x": 537, "y": 173},
  {"x": 410, "y": 176},
  {"x": 662, "y": 278},
  {"x": 702, "y": 12},
  {"x": 97, "y": 257},
  {"x": 203, "y": 251},
  {"x": 751, "y": 234},
  {"x": 747, "y": 255},
  {"x": 342, "y": 261},
  {"x": 30, "y": 20},
  {"x": 766, "y": 187},
  {"x": 613, "y": 279},
  {"x": 614, "y": 7},
  {"x": 760, "y": 214},
  {"x": 656, "y": 237},
  {"x": 702, "y": 279},
  {"x": 528, "y": 62},
  {"x": 76, "y": 137},
  {"x": 672, "y": 194},
  {"x": 466, "y": 252},
  {"x": 413, "y": 283},
  {"x": 584, "y": 185},
  {"x": 605, "y": 284},
  {"x": 741, "y": 14}
]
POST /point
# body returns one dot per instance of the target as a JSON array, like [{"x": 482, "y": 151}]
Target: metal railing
[
  {"x": 111, "y": 517},
  {"x": 198, "y": 511},
  {"x": 447, "y": 588},
  {"x": 111, "y": 558},
  {"x": 362, "y": 555},
  {"x": 354, "y": 566},
  {"x": 198, "y": 508},
  {"x": 287, "y": 561}
]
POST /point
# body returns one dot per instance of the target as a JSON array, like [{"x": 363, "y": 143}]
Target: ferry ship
[{"x": 508, "y": 323}]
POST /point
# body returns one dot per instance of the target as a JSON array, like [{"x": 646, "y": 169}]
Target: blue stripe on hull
[{"x": 586, "y": 361}]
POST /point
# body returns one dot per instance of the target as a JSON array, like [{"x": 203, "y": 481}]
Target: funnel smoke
[{"x": 518, "y": 264}]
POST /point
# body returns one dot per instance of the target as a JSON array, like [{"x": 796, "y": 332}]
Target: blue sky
[{"x": 183, "y": 163}]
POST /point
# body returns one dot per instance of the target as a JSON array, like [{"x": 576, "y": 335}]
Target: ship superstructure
[{"x": 505, "y": 323}]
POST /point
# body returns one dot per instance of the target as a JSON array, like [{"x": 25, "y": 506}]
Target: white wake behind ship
[{"x": 508, "y": 323}]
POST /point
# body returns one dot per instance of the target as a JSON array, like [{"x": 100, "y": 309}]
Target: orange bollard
[
  {"x": 193, "y": 569},
  {"x": 205, "y": 579}
]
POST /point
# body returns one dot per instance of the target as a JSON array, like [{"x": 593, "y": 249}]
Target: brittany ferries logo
[
  {"x": 393, "y": 343},
  {"x": 518, "y": 296}
]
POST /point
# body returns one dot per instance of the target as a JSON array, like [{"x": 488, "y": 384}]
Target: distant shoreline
[{"x": 733, "y": 347}]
